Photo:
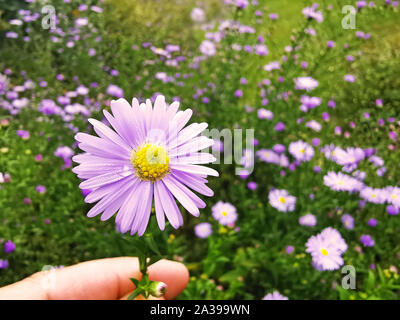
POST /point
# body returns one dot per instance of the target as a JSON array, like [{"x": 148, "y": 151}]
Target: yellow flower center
[
  {"x": 282, "y": 199},
  {"x": 302, "y": 150},
  {"x": 340, "y": 183},
  {"x": 324, "y": 252},
  {"x": 151, "y": 162},
  {"x": 373, "y": 196},
  {"x": 224, "y": 213}
]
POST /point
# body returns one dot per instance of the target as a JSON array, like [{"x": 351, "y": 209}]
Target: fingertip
[{"x": 174, "y": 274}]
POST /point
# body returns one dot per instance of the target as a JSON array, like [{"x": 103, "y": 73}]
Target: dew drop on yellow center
[{"x": 151, "y": 162}]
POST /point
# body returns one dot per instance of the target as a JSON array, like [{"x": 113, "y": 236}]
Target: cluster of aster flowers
[
  {"x": 326, "y": 249},
  {"x": 65, "y": 153},
  {"x": 67, "y": 106},
  {"x": 65, "y": 36},
  {"x": 299, "y": 150},
  {"x": 312, "y": 13},
  {"x": 349, "y": 159}
]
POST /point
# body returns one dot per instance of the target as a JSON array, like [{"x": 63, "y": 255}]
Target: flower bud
[{"x": 157, "y": 289}]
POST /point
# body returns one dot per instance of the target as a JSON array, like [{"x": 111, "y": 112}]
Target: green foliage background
[{"x": 228, "y": 265}]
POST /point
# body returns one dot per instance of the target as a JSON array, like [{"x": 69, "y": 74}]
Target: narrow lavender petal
[
  {"x": 104, "y": 179},
  {"x": 86, "y": 157},
  {"x": 119, "y": 128},
  {"x": 141, "y": 123},
  {"x": 169, "y": 205},
  {"x": 181, "y": 196},
  {"x": 104, "y": 145},
  {"x": 104, "y": 203},
  {"x": 158, "y": 207},
  {"x": 195, "y": 169},
  {"x": 107, "y": 189},
  {"x": 182, "y": 119},
  {"x": 188, "y": 133},
  {"x": 128, "y": 211},
  {"x": 195, "y": 158},
  {"x": 194, "y": 145},
  {"x": 181, "y": 187},
  {"x": 106, "y": 133},
  {"x": 193, "y": 183},
  {"x": 159, "y": 113},
  {"x": 149, "y": 114},
  {"x": 143, "y": 209},
  {"x": 171, "y": 111},
  {"x": 123, "y": 113},
  {"x": 97, "y": 168},
  {"x": 145, "y": 221},
  {"x": 114, "y": 206},
  {"x": 118, "y": 200},
  {"x": 100, "y": 152}
]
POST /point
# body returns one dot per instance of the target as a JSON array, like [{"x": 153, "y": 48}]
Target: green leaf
[
  {"x": 370, "y": 282},
  {"x": 135, "y": 281}
]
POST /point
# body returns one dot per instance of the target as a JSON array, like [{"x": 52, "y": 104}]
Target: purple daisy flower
[
  {"x": 252, "y": 185},
  {"x": 267, "y": 155},
  {"x": 308, "y": 220},
  {"x": 367, "y": 240},
  {"x": 208, "y": 48},
  {"x": 282, "y": 200},
  {"x": 224, "y": 212},
  {"x": 326, "y": 249},
  {"x": 9, "y": 246},
  {"x": 349, "y": 78},
  {"x": 393, "y": 195},
  {"x": 342, "y": 182},
  {"x": 41, "y": 189},
  {"x": 264, "y": 114},
  {"x": 64, "y": 152},
  {"x": 348, "y": 221},
  {"x": 301, "y": 150},
  {"x": 348, "y": 156},
  {"x": 305, "y": 83},
  {"x": 373, "y": 195},
  {"x": 275, "y": 296},
  {"x": 115, "y": 91},
  {"x": 150, "y": 155},
  {"x": 23, "y": 134},
  {"x": 372, "y": 222},
  {"x": 392, "y": 210},
  {"x": 3, "y": 264},
  {"x": 203, "y": 230}
]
